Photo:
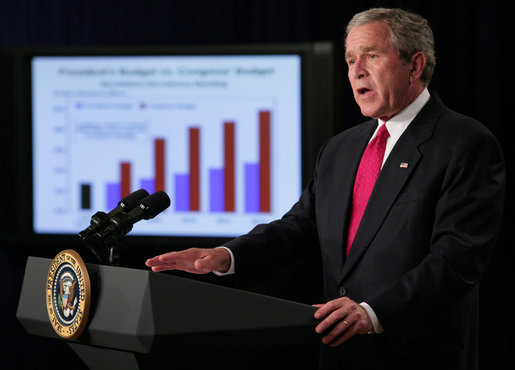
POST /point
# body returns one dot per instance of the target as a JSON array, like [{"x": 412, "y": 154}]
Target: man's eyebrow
[
  {"x": 368, "y": 49},
  {"x": 363, "y": 50}
]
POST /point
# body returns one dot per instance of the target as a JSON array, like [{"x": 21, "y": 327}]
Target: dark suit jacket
[{"x": 422, "y": 245}]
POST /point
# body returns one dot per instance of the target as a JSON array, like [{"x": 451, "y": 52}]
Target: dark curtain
[{"x": 474, "y": 42}]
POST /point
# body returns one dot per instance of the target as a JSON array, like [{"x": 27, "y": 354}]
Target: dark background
[{"x": 474, "y": 43}]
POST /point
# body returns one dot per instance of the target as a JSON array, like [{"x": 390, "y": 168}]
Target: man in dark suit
[{"x": 403, "y": 209}]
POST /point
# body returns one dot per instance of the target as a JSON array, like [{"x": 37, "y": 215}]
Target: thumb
[{"x": 205, "y": 264}]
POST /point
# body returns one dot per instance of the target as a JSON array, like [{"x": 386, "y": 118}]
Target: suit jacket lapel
[
  {"x": 392, "y": 179},
  {"x": 347, "y": 166}
]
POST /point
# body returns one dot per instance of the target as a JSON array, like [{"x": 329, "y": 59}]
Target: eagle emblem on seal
[{"x": 66, "y": 298}]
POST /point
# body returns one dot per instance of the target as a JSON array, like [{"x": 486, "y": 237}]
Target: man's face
[{"x": 380, "y": 80}]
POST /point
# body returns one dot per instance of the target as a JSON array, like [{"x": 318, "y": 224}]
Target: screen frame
[{"x": 320, "y": 115}]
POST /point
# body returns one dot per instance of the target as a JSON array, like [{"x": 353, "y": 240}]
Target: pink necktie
[{"x": 368, "y": 171}]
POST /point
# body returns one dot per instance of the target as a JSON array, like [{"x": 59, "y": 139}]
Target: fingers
[
  {"x": 330, "y": 306},
  {"x": 182, "y": 260},
  {"x": 159, "y": 260},
  {"x": 341, "y": 319},
  {"x": 152, "y": 261},
  {"x": 179, "y": 257},
  {"x": 164, "y": 267},
  {"x": 334, "y": 315},
  {"x": 338, "y": 334}
]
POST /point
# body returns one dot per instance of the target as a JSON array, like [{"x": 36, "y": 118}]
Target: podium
[{"x": 141, "y": 319}]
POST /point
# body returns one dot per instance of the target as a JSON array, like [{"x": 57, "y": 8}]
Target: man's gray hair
[{"x": 409, "y": 34}]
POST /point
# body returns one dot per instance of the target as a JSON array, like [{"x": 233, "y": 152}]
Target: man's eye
[
  {"x": 372, "y": 56},
  {"x": 351, "y": 61}
]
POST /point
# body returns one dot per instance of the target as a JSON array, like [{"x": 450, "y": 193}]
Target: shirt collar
[{"x": 398, "y": 123}]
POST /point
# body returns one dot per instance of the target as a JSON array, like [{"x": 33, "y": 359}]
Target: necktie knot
[{"x": 382, "y": 134}]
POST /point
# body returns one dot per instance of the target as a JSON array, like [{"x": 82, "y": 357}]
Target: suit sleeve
[{"x": 269, "y": 246}]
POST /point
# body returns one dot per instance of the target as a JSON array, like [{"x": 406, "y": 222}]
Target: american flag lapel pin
[{"x": 404, "y": 165}]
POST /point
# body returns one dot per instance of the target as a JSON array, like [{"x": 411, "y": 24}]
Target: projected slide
[{"x": 220, "y": 134}]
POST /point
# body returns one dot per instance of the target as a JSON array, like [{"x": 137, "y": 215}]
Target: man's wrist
[
  {"x": 231, "y": 270},
  {"x": 378, "y": 328}
]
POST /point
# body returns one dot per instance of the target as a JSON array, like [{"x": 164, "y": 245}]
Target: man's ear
[{"x": 418, "y": 63}]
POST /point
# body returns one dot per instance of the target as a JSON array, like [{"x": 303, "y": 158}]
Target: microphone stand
[
  {"x": 113, "y": 245},
  {"x": 107, "y": 250}
]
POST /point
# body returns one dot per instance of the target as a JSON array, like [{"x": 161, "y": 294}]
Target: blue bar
[
  {"x": 182, "y": 192},
  {"x": 251, "y": 187},
  {"x": 149, "y": 185},
  {"x": 216, "y": 190},
  {"x": 114, "y": 195}
]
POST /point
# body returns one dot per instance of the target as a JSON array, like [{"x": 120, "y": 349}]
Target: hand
[
  {"x": 345, "y": 317},
  {"x": 194, "y": 260}
]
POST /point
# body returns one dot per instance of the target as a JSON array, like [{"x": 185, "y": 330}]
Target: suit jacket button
[{"x": 342, "y": 292}]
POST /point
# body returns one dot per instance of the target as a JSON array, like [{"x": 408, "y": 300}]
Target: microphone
[
  {"x": 148, "y": 208},
  {"x": 100, "y": 220}
]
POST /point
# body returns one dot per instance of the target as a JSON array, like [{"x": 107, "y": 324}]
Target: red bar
[
  {"x": 194, "y": 169},
  {"x": 125, "y": 170},
  {"x": 159, "y": 157},
  {"x": 264, "y": 161},
  {"x": 229, "y": 193}
]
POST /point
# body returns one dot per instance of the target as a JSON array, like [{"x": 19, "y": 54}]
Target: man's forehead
[
  {"x": 372, "y": 30},
  {"x": 368, "y": 37}
]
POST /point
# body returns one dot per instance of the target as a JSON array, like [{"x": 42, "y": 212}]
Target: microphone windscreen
[
  {"x": 132, "y": 200},
  {"x": 155, "y": 204}
]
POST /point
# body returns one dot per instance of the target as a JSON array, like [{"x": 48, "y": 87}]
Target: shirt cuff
[
  {"x": 231, "y": 270},
  {"x": 378, "y": 328}
]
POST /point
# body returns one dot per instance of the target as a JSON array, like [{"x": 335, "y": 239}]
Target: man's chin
[{"x": 367, "y": 112}]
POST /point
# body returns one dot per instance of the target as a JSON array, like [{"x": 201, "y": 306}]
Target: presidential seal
[{"x": 68, "y": 294}]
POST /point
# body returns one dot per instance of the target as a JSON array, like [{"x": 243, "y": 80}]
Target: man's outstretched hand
[{"x": 193, "y": 260}]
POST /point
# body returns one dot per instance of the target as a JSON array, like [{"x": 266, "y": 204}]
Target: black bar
[{"x": 85, "y": 196}]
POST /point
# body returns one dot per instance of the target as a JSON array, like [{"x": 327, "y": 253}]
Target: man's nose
[{"x": 358, "y": 70}]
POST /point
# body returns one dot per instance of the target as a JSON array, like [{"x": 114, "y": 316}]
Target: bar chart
[{"x": 222, "y": 182}]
